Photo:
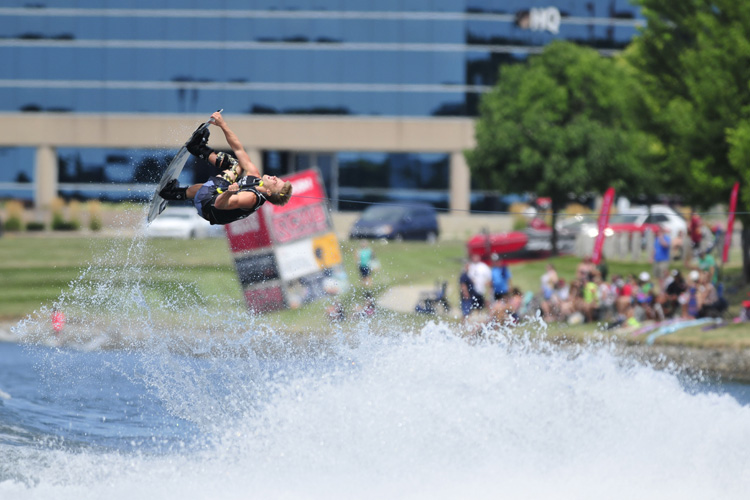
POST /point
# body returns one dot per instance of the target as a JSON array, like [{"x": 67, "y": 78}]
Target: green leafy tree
[
  {"x": 695, "y": 60},
  {"x": 565, "y": 124}
]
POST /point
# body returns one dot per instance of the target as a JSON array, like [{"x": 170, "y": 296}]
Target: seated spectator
[
  {"x": 335, "y": 312},
  {"x": 607, "y": 298},
  {"x": 500, "y": 313},
  {"x": 707, "y": 263},
  {"x": 675, "y": 288},
  {"x": 625, "y": 292},
  {"x": 585, "y": 267},
  {"x": 549, "y": 280},
  {"x": 744, "y": 315},
  {"x": 590, "y": 303},
  {"x": 644, "y": 298},
  {"x": 689, "y": 299},
  {"x": 711, "y": 305},
  {"x": 557, "y": 307},
  {"x": 575, "y": 298},
  {"x": 515, "y": 304}
]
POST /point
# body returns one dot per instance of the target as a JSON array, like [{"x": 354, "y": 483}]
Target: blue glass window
[
  {"x": 376, "y": 177},
  {"x": 17, "y": 165},
  {"x": 363, "y": 57},
  {"x": 17, "y": 173}
]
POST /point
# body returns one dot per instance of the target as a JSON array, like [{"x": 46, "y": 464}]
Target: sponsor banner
[
  {"x": 308, "y": 256},
  {"x": 250, "y": 233},
  {"x": 609, "y": 196},
  {"x": 730, "y": 222},
  {"x": 327, "y": 250},
  {"x": 300, "y": 223},
  {"x": 287, "y": 256},
  {"x": 265, "y": 299},
  {"x": 256, "y": 268},
  {"x": 296, "y": 260},
  {"x": 307, "y": 189}
]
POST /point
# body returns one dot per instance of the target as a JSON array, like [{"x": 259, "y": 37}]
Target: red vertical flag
[
  {"x": 609, "y": 196},
  {"x": 730, "y": 222}
]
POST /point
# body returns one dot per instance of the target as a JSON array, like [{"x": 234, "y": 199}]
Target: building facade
[{"x": 380, "y": 96}]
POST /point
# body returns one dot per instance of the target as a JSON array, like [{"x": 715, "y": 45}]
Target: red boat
[{"x": 517, "y": 246}]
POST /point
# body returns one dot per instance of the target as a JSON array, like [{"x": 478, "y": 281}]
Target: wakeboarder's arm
[
  {"x": 233, "y": 198},
  {"x": 234, "y": 142}
]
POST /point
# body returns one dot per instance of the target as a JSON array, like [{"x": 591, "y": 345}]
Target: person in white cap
[{"x": 644, "y": 297}]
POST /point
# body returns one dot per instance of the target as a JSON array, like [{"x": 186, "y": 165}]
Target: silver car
[{"x": 184, "y": 223}]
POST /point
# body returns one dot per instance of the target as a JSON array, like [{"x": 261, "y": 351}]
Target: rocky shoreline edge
[{"x": 723, "y": 362}]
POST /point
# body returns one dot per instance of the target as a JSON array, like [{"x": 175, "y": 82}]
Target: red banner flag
[
  {"x": 609, "y": 196},
  {"x": 730, "y": 222}
]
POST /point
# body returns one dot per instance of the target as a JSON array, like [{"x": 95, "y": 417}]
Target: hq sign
[
  {"x": 540, "y": 19},
  {"x": 287, "y": 256}
]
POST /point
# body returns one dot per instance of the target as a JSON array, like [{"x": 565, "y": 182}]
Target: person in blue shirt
[
  {"x": 662, "y": 244},
  {"x": 501, "y": 276}
]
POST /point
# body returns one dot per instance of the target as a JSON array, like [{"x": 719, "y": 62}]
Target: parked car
[
  {"x": 397, "y": 222},
  {"x": 635, "y": 219},
  {"x": 182, "y": 222}
]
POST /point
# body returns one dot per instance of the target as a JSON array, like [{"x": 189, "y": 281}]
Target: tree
[
  {"x": 565, "y": 124},
  {"x": 694, "y": 56}
]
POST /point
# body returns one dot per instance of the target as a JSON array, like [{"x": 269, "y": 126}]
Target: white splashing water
[
  {"x": 410, "y": 415},
  {"x": 430, "y": 416}
]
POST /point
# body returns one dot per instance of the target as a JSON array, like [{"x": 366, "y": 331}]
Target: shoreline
[{"x": 724, "y": 362}]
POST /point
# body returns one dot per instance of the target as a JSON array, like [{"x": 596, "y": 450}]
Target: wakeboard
[{"x": 158, "y": 204}]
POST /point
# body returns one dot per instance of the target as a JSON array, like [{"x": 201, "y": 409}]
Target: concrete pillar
[
  {"x": 460, "y": 182},
  {"x": 45, "y": 176}
]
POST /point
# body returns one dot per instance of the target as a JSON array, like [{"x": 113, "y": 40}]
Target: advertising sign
[
  {"x": 288, "y": 256},
  {"x": 730, "y": 222}
]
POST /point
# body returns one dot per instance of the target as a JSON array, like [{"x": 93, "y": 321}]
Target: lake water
[{"x": 366, "y": 416}]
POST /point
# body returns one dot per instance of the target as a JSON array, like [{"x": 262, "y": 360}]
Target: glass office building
[{"x": 427, "y": 59}]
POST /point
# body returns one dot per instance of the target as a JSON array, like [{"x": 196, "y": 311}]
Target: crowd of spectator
[{"x": 592, "y": 295}]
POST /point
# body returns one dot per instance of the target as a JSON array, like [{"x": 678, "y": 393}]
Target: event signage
[
  {"x": 287, "y": 256},
  {"x": 730, "y": 222},
  {"x": 609, "y": 196}
]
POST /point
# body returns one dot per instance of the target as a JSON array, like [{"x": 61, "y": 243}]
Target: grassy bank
[{"x": 35, "y": 271}]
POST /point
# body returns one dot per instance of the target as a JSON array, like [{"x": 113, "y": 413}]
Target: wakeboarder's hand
[{"x": 218, "y": 119}]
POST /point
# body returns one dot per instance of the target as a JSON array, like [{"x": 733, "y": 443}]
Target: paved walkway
[{"x": 404, "y": 298}]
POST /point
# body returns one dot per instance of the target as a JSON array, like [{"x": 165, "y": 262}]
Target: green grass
[{"x": 188, "y": 276}]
